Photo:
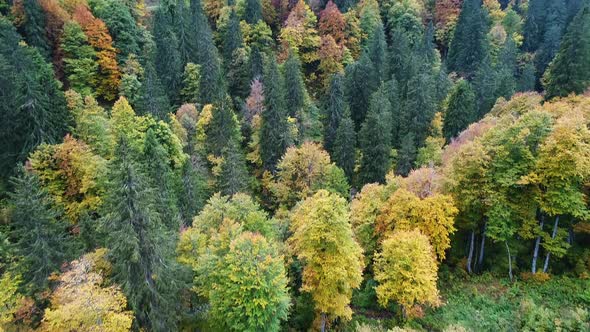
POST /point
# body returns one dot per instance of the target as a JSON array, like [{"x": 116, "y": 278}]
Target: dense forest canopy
[{"x": 295, "y": 165}]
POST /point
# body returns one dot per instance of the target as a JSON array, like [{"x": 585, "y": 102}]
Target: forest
[{"x": 294, "y": 165}]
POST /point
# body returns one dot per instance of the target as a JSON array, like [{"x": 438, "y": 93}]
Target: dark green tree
[
  {"x": 40, "y": 235},
  {"x": 461, "y": 109},
  {"x": 32, "y": 105},
  {"x": 406, "y": 155},
  {"x": 274, "y": 131},
  {"x": 223, "y": 130},
  {"x": 256, "y": 63},
  {"x": 554, "y": 27},
  {"x": 470, "y": 44},
  {"x": 33, "y": 27},
  {"x": 207, "y": 57},
  {"x": 294, "y": 87},
  {"x": 570, "y": 70},
  {"x": 195, "y": 189},
  {"x": 232, "y": 39},
  {"x": 239, "y": 74},
  {"x": 506, "y": 70},
  {"x": 140, "y": 247},
  {"x": 534, "y": 25},
  {"x": 344, "y": 151},
  {"x": 161, "y": 175},
  {"x": 377, "y": 49},
  {"x": 253, "y": 11},
  {"x": 360, "y": 83},
  {"x": 335, "y": 106},
  {"x": 153, "y": 98},
  {"x": 485, "y": 85},
  {"x": 168, "y": 60},
  {"x": 185, "y": 34},
  {"x": 375, "y": 139},
  {"x": 234, "y": 177}
]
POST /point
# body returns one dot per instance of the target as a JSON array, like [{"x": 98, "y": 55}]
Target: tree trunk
[
  {"x": 482, "y": 246},
  {"x": 546, "y": 265},
  {"x": 470, "y": 256},
  {"x": 509, "y": 260},
  {"x": 537, "y": 244},
  {"x": 323, "y": 323}
]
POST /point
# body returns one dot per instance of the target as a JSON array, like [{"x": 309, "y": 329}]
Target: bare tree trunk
[
  {"x": 482, "y": 246},
  {"x": 546, "y": 265},
  {"x": 537, "y": 244},
  {"x": 509, "y": 260},
  {"x": 323, "y": 323},
  {"x": 470, "y": 256}
]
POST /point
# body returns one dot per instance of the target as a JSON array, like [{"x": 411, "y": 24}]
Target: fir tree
[
  {"x": 294, "y": 87},
  {"x": 168, "y": 60},
  {"x": 162, "y": 177},
  {"x": 207, "y": 58},
  {"x": 140, "y": 248},
  {"x": 506, "y": 70},
  {"x": 223, "y": 130},
  {"x": 360, "y": 83},
  {"x": 554, "y": 27},
  {"x": 274, "y": 131},
  {"x": 375, "y": 139},
  {"x": 461, "y": 109},
  {"x": 153, "y": 98},
  {"x": 234, "y": 177},
  {"x": 570, "y": 70},
  {"x": 38, "y": 230},
  {"x": 344, "y": 153},
  {"x": 195, "y": 189},
  {"x": 485, "y": 85},
  {"x": 256, "y": 63},
  {"x": 335, "y": 107},
  {"x": 469, "y": 45},
  {"x": 534, "y": 25}
]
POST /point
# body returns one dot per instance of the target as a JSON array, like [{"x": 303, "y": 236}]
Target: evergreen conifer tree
[
  {"x": 335, "y": 106},
  {"x": 461, "y": 109},
  {"x": 360, "y": 83},
  {"x": 294, "y": 86},
  {"x": 344, "y": 151}
]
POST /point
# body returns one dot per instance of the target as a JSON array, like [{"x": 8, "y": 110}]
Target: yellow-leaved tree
[
  {"x": 82, "y": 302},
  {"x": 433, "y": 215},
  {"x": 406, "y": 270},
  {"x": 332, "y": 261}
]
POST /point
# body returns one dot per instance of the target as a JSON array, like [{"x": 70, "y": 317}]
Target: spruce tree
[
  {"x": 335, "y": 107},
  {"x": 256, "y": 63},
  {"x": 570, "y": 70},
  {"x": 253, "y": 11},
  {"x": 294, "y": 86},
  {"x": 554, "y": 27},
  {"x": 360, "y": 83},
  {"x": 162, "y": 176},
  {"x": 207, "y": 58},
  {"x": 32, "y": 105},
  {"x": 234, "y": 177},
  {"x": 461, "y": 109},
  {"x": 375, "y": 139},
  {"x": 377, "y": 52},
  {"x": 223, "y": 130},
  {"x": 485, "y": 85},
  {"x": 168, "y": 60},
  {"x": 195, "y": 189},
  {"x": 534, "y": 25},
  {"x": 344, "y": 150},
  {"x": 274, "y": 131},
  {"x": 185, "y": 34},
  {"x": 506, "y": 70},
  {"x": 38, "y": 231},
  {"x": 232, "y": 38},
  {"x": 406, "y": 155},
  {"x": 153, "y": 98},
  {"x": 33, "y": 27},
  {"x": 140, "y": 248},
  {"x": 469, "y": 44}
]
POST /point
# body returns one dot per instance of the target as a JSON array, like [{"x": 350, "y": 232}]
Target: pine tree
[
  {"x": 377, "y": 48},
  {"x": 253, "y": 11},
  {"x": 344, "y": 152},
  {"x": 162, "y": 177},
  {"x": 32, "y": 106},
  {"x": 232, "y": 39},
  {"x": 570, "y": 70},
  {"x": 461, "y": 109},
  {"x": 140, "y": 248},
  {"x": 469, "y": 45},
  {"x": 375, "y": 139},
  {"x": 335, "y": 107},
  {"x": 294, "y": 87},
  {"x": 38, "y": 230},
  {"x": 360, "y": 83},
  {"x": 274, "y": 131}
]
